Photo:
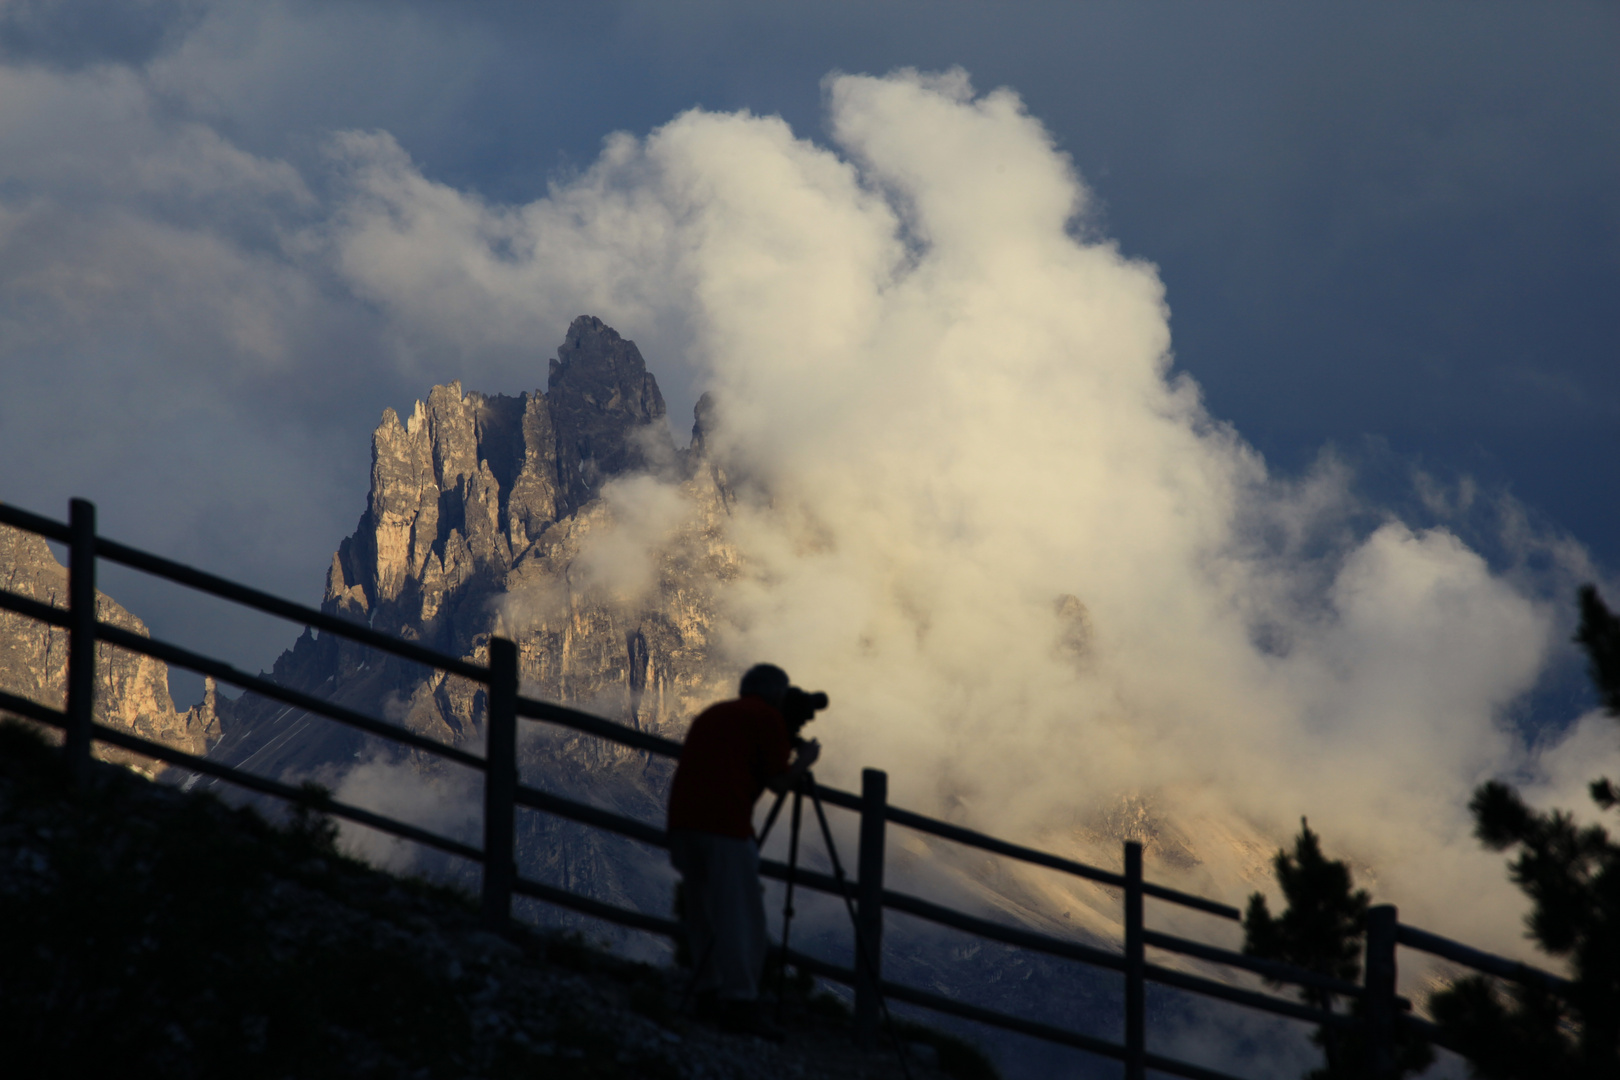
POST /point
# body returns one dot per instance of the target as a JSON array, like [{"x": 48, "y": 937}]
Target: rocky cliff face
[
  {"x": 477, "y": 499},
  {"x": 132, "y": 691},
  {"x": 463, "y": 489}
]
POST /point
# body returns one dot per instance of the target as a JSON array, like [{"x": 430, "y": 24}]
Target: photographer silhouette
[{"x": 732, "y": 753}]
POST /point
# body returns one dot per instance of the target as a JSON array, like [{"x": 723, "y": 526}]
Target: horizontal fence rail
[
  {"x": 1382, "y": 1013},
  {"x": 38, "y": 524},
  {"x": 1268, "y": 969},
  {"x": 286, "y": 609},
  {"x": 1480, "y": 961},
  {"x": 1041, "y": 858},
  {"x": 595, "y": 725},
  {"x": 173, "y": 654},
  {"x": 33, "y": 609},
  {"x": 192, "y": 763}
]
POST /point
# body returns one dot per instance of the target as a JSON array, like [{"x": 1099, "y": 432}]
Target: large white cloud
[{"x": 952, "y": 405}]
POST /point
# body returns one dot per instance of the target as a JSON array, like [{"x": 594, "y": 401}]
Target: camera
[{"x": 799, "y": 707}]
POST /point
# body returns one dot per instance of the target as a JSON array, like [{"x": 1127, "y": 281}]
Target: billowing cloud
[
  {"x": 447, "y": 800},
  {"x": 165, "y": 349},
  {"x": 977, "y": 507}
]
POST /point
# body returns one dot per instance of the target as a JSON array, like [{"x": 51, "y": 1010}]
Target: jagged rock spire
[
  {"x": 463, "y": 487},
  {"x": 606, "y": 409}
]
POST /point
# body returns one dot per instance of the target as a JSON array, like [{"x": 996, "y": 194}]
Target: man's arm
[{"x": 804, "y": 757}]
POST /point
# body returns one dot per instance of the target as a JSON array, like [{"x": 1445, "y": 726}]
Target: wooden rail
[{"x": 1383, "y": 1016}]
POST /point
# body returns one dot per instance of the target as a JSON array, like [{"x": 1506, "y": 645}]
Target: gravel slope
[{"x": 157, "y": 933}]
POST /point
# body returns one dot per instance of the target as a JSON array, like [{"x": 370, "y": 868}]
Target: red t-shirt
[{"x": 729, "y": 753}]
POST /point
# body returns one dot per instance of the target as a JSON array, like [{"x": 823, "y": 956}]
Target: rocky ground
[{"x": 155, "y": 933}]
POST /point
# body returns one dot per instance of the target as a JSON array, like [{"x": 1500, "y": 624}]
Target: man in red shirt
[{"x": 733, "y": 752}]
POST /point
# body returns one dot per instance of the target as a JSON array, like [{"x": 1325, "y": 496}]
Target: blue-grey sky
[{"x": 1390, "y": 231}]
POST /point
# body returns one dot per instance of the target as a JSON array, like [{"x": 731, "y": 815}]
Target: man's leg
[
  {"x": 690, "y": 854},
  {"x": 739, "y": 918},
  {"x": 740, "y": 937}
]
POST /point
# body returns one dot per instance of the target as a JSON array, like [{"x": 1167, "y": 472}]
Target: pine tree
[
  {"x": 1572, "y": 875},
  {"x": 1322, "y": 930}
]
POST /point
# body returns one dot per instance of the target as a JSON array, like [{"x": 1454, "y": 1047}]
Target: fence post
[
  {"x": 1380, "y": 991},
  {"x": 1135, "y": 967},
  {"x": 500, "y": 783},
  {"x": 81, "y": 666},
  {"x": 869, "y": 930}
]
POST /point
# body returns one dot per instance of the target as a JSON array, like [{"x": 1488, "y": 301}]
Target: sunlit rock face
[
  {"x": 463, "y": 488},
  {"x": 479, "y": 509},
  {"x": 132, "y": 691}
]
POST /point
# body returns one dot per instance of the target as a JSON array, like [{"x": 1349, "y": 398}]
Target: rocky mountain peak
[
  {"x": 479, "y": 506},
  {"x": 702, "y": 424},
  {"x": 606, "y": 409},
  {"x": 468, "y": 482}
]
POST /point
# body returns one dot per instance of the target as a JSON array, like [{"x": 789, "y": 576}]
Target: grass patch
[
  {"x": 958, "y": 1058},
  {"x": 150, "y": 932}
]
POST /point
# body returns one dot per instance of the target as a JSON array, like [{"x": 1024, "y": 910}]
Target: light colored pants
[{"x": 725, "y": 911}]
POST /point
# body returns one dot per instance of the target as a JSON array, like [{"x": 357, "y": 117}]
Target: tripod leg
[
  {"x": 838, "y": 872},
  {"x": 862, "y": 952},
  {"x": 770, "y": 818},
  {"x": 787, "y": 904}
]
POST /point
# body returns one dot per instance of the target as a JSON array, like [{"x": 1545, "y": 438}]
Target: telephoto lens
[{"x": 799, "y": 707}]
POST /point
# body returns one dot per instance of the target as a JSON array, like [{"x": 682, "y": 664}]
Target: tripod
[{"x": 863, "y": 955}]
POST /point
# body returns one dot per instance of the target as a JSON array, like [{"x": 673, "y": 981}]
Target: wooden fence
[{"x": 1383, "y": 1015}]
